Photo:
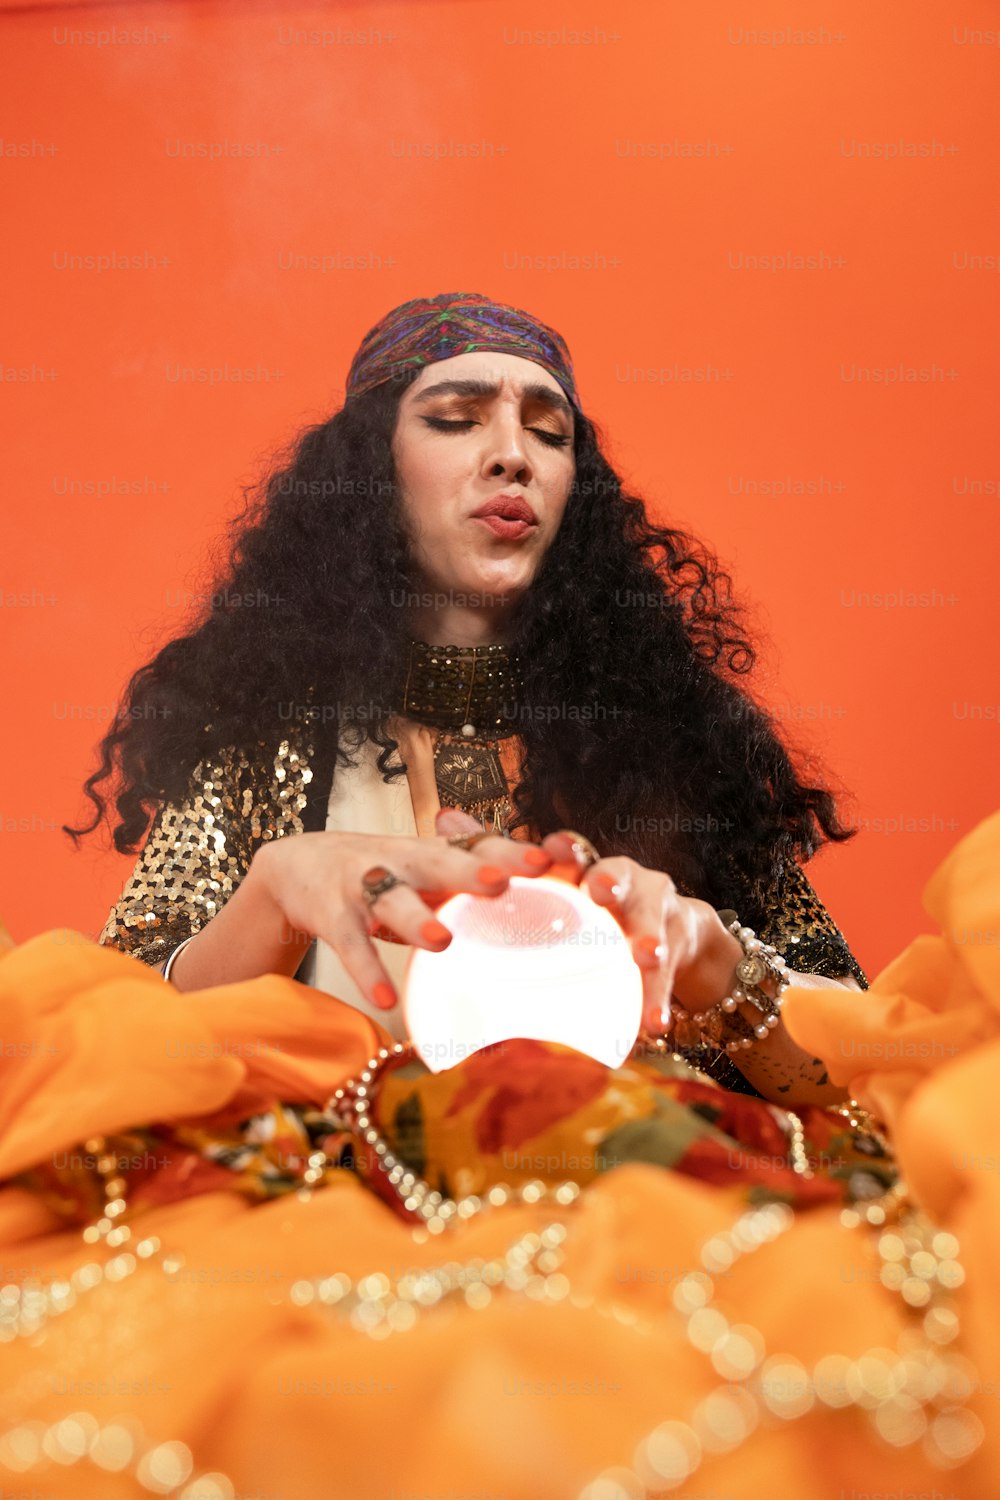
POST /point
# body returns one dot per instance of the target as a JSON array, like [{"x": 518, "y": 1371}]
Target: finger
[
  {"x": 641, "y": 907},
  {"x": 436, "y": 870},
  {"x": 517, "y": 856},
  {"x": 358, "y": 954},
  {"x": 656, "y": 1008},
  {"x": 403, "y": 911},
  {"x": 508, "y": 857},
  {"x": 644, "y": 903},
  {"x": 609, "y": 883},
  {"x": 454, "y": 820},
  {"x": 406, "y": 909},
  {"x": 559, "y": 847},
  {"x": 661, "y": 960}
]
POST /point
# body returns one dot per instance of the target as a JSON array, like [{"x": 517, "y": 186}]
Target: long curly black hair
[{"x": 636, "y": 727}]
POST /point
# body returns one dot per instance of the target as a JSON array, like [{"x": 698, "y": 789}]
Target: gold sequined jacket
[{"x": 197, "y": 852}]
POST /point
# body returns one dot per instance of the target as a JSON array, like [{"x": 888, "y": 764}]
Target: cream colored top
[{"x": 361, "y": 802}]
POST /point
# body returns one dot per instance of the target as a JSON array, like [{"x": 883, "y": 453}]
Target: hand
[
  {"x": 679, "y": 942},
  {"x": 686, "y": 955},
  {"x": 315, "y": 882}
]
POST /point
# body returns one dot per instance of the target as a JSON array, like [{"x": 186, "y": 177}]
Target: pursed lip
[{"x": 508, "y": 508}]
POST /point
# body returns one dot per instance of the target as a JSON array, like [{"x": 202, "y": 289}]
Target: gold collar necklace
[{"x": 472, "y": 691}]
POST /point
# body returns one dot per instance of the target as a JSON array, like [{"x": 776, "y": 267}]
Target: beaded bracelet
[{"x": 760, "y": 961}]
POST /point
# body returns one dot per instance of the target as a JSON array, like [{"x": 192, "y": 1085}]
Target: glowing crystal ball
[{"x": 542, "y": 960}]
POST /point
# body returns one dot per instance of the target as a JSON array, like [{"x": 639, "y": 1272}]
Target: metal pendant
[{"x": 467, "y": 774}]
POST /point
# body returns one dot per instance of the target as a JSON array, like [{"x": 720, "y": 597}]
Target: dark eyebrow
[{"x": 538, "y": 392}]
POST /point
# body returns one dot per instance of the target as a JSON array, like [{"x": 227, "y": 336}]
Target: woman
[
  {"x": 460, "y": 501},
  {"x": 205, "y": 1297},
  {"x": 188, "y": 1315}
]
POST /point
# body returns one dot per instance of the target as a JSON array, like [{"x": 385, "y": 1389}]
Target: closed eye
[{"x": 554, "y": 439}]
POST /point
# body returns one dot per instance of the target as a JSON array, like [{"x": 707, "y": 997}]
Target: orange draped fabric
[{"x": 223, "y": 1359}]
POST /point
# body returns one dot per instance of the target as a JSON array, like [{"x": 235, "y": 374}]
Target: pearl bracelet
[{"x": 760, "y": 961}]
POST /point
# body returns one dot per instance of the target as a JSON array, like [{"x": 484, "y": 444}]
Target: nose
[{"x": 506, "y": 449}]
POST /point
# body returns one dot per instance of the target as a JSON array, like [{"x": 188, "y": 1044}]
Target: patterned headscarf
[{"x": 426, "y": 329}]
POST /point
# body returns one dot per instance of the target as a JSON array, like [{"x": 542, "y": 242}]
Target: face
[{"x": 483, "y": 451}]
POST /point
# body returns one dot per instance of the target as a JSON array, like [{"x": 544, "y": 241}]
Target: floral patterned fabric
[
  {"x": 526, "y": 1110},
  {"x": 516, "y": 1112}
]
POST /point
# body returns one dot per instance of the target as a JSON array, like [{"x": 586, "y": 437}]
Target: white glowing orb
[{"x": 542, "y": 961}]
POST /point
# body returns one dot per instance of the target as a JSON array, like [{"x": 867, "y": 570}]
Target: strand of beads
[
  {"x": 162, "y": 1468},
  {"x": 106, "y": 1228},
  {"x": 910, "y": 1396},
  {"x": 117, "y": 1447},
  {"x": 350, "y": 1106},
  {"x": 379, "y": 1307},
  {"x": 797, "y": 1144},
  {"x": 915, "y": 1395},
  {"x": 25, "y": 1309},
  {"x": 761, "y": 961}
]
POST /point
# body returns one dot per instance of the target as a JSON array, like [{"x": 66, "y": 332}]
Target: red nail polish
[
  {"x": 537, "y": 857},
  {"x": 609, "y": 884},
  {"x": 489, "y": 874},
  {"x": 384, "y": 995},
  {"x": 435, "y": 932},
  {"x": 651, "y": 949}
]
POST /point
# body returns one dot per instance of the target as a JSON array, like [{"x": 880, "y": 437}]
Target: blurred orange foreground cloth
[{"x": 218, "y": 1377}]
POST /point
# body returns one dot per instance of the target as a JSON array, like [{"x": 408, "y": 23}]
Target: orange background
[{"x": 663, "y": 149}]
